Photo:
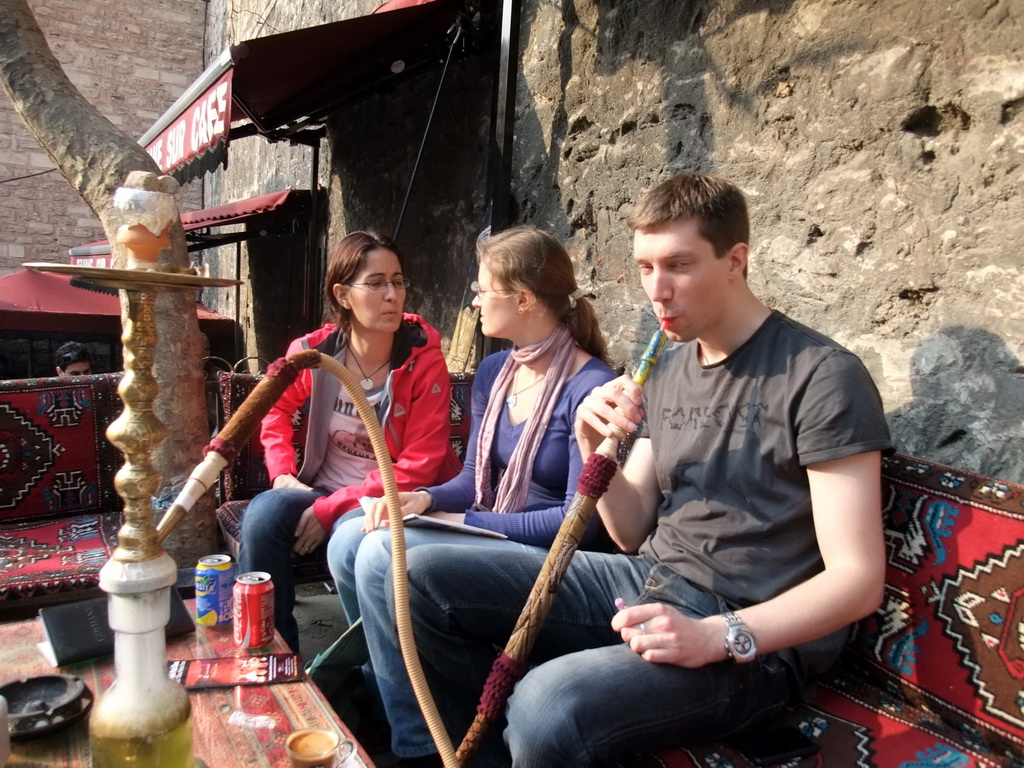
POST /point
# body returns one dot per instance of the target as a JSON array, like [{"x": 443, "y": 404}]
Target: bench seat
[{"x": 59, "y": 510}]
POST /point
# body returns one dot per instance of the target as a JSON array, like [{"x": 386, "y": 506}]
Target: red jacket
[{"x": 415, "y": 417}]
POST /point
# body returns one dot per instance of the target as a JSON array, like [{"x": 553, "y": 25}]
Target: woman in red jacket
[{"x": 398, "y": 361}]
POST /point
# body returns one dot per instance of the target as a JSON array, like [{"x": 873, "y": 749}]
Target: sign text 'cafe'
[{"x": 200, "y": 127}]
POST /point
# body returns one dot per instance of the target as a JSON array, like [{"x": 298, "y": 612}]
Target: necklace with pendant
[
  {"x": 512, "y": 399},
  {"x": 367, "y": 380}
]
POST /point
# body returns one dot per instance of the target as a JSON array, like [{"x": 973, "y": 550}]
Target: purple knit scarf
[{"x": 515, "y": 483}]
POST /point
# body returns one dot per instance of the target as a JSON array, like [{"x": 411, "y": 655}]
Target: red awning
[
  {"x": 237, "y": 212},
  {"x": 281, "y": 84},
  {"x": 44, "y": 301}
]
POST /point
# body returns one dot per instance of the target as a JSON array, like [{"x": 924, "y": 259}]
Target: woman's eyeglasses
[
  {"x": 475, "y": 288},
  {"x": 379, "y": 285}
]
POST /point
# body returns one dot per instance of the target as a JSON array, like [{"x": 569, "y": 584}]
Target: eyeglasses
[
  {"x": 379, "y": 285},
  {"x": 475, "y": 288}
]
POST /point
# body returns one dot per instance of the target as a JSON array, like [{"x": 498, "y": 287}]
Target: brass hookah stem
[{"x": 138, "y": 431}]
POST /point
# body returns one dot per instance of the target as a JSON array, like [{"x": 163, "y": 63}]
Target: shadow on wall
[
  {"x": 968, "y": 397},
  {"x": 613, "y": 98}
]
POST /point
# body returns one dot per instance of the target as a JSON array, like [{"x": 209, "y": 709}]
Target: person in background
[
  {"x": 73, "y": 359},
  {"x": 522, "y": 459},
  {"x": 748, "y": 514},
  {"x": 397, "y": 359}
]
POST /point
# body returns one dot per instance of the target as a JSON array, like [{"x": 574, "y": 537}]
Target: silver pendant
[
  {"x": 510, "y": 401},
  {"x": 366, "y": 384}
]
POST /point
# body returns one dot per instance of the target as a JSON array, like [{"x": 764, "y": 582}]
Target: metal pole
[
  {"x": 236, "y": 342},
  {"x": 503, "y": 115},
  {"x": 314, "y": 255}
]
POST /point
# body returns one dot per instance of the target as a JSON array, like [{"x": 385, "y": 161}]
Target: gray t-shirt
[{"x": 731, "y": 444}]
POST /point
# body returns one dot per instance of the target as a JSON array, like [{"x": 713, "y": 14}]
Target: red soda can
[{"x": 254, "y": 609}]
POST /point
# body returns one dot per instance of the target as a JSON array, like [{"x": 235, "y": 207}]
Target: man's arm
[
  {"x": 629, "y": 507},
  {"x": 846, "y": 499}
]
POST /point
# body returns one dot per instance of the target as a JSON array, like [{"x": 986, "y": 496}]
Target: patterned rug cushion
[
  {"x": 55, "y": 459},
  {"x": 950, "y": 632},
  {"x": 247, "y": 475},
  {"x": 46, "y": 557},
  {"x": 461, "y": 411},
  {"x": 854, "y": 725}
]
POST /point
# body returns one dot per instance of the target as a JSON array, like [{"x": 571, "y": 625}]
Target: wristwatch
[{"x": 739, "y": 641}]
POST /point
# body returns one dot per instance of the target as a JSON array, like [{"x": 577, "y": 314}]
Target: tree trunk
[{"x": 96, "y": 158}]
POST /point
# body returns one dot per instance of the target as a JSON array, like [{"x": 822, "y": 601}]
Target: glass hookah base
[{"x": 172, "y": 749}]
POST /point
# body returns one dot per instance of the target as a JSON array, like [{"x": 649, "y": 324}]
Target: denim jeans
[
  {"x": 341, "y": 559},
  {"x": 588, "y": 700},
  {"x": 352, "y": 562}
]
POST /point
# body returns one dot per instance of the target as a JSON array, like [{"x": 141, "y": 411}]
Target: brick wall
[{"x": 131, "y": 61}]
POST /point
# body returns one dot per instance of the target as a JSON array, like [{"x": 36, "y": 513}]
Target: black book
[{"x": 78, "y": 631}]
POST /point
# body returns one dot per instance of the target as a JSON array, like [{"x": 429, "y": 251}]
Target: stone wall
[
  {"x": 880, "y": 144},
  {"x": 131, "y": 62}
]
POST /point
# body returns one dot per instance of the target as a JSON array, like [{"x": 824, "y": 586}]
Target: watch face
[{"x": 743, "y": 644}]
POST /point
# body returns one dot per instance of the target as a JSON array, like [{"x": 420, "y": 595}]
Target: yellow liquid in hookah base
[{"x": 172, "y": 749}]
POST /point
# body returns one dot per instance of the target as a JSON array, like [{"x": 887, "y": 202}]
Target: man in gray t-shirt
[
  {"x": 749, "y": 511},
  {"x": 732, "y": 442}
]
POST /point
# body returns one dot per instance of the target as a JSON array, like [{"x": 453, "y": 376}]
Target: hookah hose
[
  {"x": 223, "y": 449},
  {"x": 510, "y": 666}
]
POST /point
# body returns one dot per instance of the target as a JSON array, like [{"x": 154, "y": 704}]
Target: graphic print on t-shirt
[
  {"x": 348, "y": 457},
  {"x": 352, "y": 444},
  {"x": 742, "y": 417}
]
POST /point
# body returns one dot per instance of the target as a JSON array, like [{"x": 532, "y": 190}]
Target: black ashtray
[{"x": 41, "y": 705}]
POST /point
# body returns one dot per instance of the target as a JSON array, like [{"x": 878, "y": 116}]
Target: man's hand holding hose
[{"x": 611, "y": 410}]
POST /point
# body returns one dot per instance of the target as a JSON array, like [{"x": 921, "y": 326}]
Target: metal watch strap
[{"x": 731, "y": 620}]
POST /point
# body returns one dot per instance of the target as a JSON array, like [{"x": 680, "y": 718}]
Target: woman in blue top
[{"x": 522, "y": 460}]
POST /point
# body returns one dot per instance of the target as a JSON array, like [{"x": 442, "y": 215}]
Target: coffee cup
[{"x": 317, "y": 748}]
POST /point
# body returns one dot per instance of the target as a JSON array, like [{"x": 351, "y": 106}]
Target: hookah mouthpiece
[{"x": 651, "y": 354}]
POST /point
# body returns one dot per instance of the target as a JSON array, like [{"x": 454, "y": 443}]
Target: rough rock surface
[{"x": 880, "y": 144}]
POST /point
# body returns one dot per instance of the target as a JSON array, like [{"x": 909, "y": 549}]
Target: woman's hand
[
  {"x": 663, "y": 635},
  {"x": 411, "y": 502},
  {"x": 290, "y": 481},
  {"x": 309, "y": 534}
]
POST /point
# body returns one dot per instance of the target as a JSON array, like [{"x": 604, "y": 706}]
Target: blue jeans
[
  {"x": 267, "y": 538},
  {"x": 341, "y": 559},
  {"x": 588, "y": 700},
  {"x": 352, "y": 562}
]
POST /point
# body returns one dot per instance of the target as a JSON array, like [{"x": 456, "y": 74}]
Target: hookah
[{"x": 143, "y": 718}]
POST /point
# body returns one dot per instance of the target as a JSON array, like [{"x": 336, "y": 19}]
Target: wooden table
[{"x": 241, "y": 726}]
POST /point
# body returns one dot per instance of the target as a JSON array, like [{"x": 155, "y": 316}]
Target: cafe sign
[{"x": 200, "y": 128}]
